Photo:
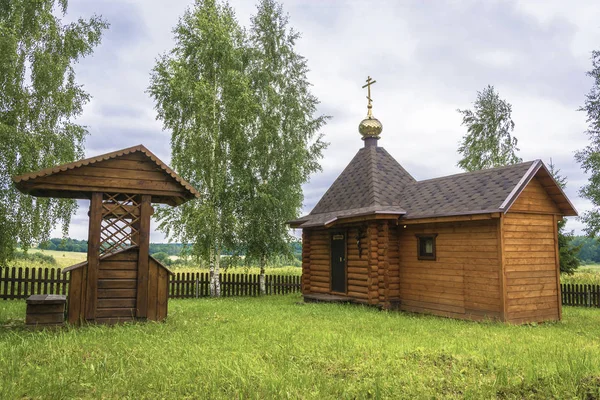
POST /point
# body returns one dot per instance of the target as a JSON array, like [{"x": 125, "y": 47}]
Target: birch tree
[
  {"x": 589, "y": 157},
  {"x": 284, "y": 140},
  {"x": 568, "y": 251},
  {"x": 202, "y": 95},
  {"x": 488, "y": 142},
  {"x": 39, "y": 100}
]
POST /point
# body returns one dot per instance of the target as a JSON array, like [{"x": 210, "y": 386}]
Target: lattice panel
[{"x": 120, "y": 222}]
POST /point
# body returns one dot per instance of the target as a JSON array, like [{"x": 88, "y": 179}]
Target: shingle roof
[
  {"x": 373, "y": 178},
  {"x": 374, "y": 183}
]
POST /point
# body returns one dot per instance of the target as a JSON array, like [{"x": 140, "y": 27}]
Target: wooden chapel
[
  {"x": 119, "y": 281},
  {"x": 476, "y": 245}
]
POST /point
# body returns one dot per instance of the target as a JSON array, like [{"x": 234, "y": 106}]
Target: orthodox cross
[{"x": 370, "y": 81}]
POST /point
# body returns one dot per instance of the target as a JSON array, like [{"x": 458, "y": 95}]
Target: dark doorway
[{"x": 338, "y": 262}]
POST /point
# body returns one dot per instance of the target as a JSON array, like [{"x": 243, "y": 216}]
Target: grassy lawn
[{"x": 273, "y": 347}]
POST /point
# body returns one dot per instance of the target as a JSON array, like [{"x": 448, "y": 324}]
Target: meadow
[
  {"x": 65, "y": 259},
  {"x": 278, "y": 347}
]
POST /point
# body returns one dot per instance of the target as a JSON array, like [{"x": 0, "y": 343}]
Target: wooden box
[{"x": 46, "y": 310}]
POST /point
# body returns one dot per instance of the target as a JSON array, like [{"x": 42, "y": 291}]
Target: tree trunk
[
  {"x": 215, "y": 283},
  {"x": 217, "y": 272},
  {"x": 261, "y": 278}
]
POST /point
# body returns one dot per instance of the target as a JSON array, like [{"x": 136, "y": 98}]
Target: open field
[
  {"x": 273, "y": 347},
  {"x": 586, "y": 275},
  {"x": 65, "y": 259}
]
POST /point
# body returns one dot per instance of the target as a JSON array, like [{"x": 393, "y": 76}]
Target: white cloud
[{"x": 428, "y": 59}]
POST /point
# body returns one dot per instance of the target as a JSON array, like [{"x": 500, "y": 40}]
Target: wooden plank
[
  {"x": 129, "y": 255},
  {"x": 117, "y": 283},
  {"x": 122, "y": 173},
  {"x": 153, "y": 291},
  {"x": 162, "y": 294},
  {"x": 93, "y": 255},
  {"x": 113, "y": 321},
  {"x": 143, "y": 254},
  {"x": 116, "y": 303},
  {"x": 55, "y": 318},
  {"x": 502, "y": 268},
  {"x": 111, "y": 185},
  {"x": 115, "y": 312},
  {"x": 116, "y": 293},
  {"x": 557, "y": 258},
  {"x": 477, "y": 217},
  {"x": 135, "y": 165},
  {"x": 118, "y": 265},
  {"x": 45, "y": 308},
  {"x": 117, "y": 273}
]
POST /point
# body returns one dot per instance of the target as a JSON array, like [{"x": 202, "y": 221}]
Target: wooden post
[
  {"x": 93, "y": 256},
  {"x": 557, "y": 260},
  {"x": 144, "y": 250},
  {"x": 502, "y": 269}
]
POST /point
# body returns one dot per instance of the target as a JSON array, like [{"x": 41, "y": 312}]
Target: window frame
[{"x": 427, "y": 257}]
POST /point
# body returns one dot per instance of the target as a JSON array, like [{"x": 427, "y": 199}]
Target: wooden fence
[
  {"x": 580, "y": 295},
  {"x": 192, "y": 285},
  {"x": 20, "y": 283}
]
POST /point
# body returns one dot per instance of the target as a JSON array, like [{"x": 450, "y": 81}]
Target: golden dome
[{"x": 370, "y": 127}]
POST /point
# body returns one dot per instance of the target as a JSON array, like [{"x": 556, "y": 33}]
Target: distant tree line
[
  {"x": 589, "y": 249},
  {"x": 163, "y": 249}
]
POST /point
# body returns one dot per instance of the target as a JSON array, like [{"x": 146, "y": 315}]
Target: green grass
[{"x": 273, "y": 347}]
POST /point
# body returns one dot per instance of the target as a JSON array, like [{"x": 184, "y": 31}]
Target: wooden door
[{"x": 338, "y": 262}]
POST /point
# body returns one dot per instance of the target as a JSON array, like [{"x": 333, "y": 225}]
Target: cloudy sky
[{"x": 429, "y": 58}]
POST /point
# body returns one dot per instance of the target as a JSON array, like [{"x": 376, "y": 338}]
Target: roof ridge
[
  {"x": 479, "y": 171},
  {"x": 374, "y": 175}
]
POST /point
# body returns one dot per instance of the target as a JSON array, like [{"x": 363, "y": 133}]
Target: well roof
[
  {"x": 374, "y": 183},
  {"x": 49, "y": 182}
]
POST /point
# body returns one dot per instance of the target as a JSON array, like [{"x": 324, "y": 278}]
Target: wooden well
[{"x": 119, "y": 281}]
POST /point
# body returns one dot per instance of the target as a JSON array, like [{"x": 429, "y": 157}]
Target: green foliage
[
  {"x": 284, "y": 143},
  {"x": 39, "y": 99},
  {"x": 589, "y": 157},
  {"x": 65, "y": 244},
  {"x": 35, "y": 258},
  {"x": 488, "y": 142},
  {"x": 274, "y": 348},
  {"x": 203, "y": 97},
  {"x": 568, "y": 251},
  {"x": 243, "y": 132}
]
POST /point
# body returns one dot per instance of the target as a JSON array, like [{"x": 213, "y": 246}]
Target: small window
[{"x": 426, "y": 246}]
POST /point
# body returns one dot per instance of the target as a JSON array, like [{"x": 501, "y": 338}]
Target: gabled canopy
[
  {"x": 134, "y": 170},
  {"x": 374, "y": 183}
]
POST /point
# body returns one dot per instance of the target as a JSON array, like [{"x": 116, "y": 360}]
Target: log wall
[
  {"x": 463, "y": 281},
  {"x": 319, "y": 260},
  {"x": 316, "y": 263}
]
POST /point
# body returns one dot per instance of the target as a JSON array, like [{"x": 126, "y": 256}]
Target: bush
[{"x": 35, "y": 258}]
